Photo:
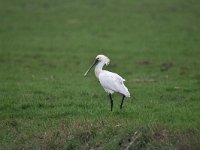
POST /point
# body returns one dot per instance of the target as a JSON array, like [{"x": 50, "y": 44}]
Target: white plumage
[{"x": 111, "y": 82}]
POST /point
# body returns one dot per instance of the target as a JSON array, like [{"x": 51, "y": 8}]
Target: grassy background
[{"x": 46, "y": 47}]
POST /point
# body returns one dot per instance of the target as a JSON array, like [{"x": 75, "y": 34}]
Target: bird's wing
[
  {"x": 111, "y": 81},
  {"x": 119, "y": 78}
]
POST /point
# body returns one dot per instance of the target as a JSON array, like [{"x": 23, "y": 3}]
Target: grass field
[{"x": 47, "y": 45}]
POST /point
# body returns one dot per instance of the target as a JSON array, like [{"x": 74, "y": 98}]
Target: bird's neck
[{"x": 98, "y": 68}]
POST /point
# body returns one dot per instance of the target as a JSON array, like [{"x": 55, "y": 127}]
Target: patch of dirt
[
  {"x": 85, "y": 137},
  {"x": 166, "y": 66},
  {"x": 161, "y": 135},
  {"x": 188, "y": 140},
  {"x": 146, "y": 138},
  {"x": 139, "y": 139},
  {"x": 42, "y": 147}
]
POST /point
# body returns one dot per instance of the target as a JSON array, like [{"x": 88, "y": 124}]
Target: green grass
[{"x": 46, "y": 47}]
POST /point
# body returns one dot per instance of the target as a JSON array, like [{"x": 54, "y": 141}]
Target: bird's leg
[
  {"x": 111, "y": 101},
  {"x": 122, "y": 102}
]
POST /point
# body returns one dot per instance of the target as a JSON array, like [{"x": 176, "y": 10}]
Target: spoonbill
[{"x": 111, "y": 82}]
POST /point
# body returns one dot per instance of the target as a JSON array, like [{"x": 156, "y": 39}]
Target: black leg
[
  {"x": 122, "y": 102},
  {"x": 111, "y": 102}
]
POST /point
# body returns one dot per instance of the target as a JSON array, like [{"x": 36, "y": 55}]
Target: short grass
[{"x": 47, "y": 45}]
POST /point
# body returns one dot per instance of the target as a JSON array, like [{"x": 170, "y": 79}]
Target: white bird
[{"x": 111, "y": 82}]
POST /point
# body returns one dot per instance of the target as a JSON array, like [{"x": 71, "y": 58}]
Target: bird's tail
[{"x": 126, "y": 92}]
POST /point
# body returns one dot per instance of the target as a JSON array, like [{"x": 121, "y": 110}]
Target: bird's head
[
  {"x": 99, "y": 59},
  {"x": 103, "y": 58}
]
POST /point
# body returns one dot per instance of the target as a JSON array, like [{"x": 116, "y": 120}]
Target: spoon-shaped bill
[{"x": 94, "y": 63}]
